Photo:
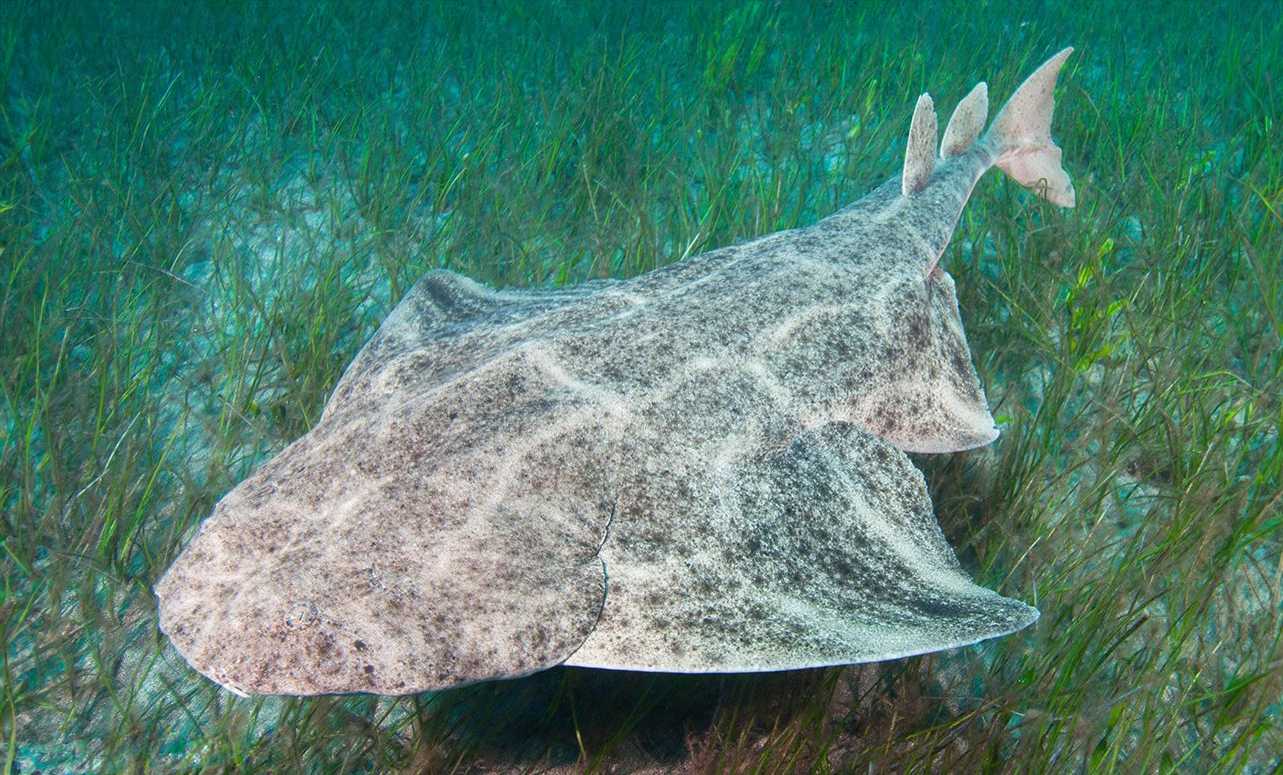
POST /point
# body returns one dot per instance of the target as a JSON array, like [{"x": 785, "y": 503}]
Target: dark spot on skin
[
  {"x": 959, "y": 363},
  {"x": 918, "y": 332},
  {"x": 888, "y": 422}
]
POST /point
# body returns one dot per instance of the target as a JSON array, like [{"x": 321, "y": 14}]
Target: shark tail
[{"x": 1021, "y": 135}]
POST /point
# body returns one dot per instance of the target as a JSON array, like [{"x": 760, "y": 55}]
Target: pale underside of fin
[
  {"x": 967, "y": 121},
  {"x": 825, "y": 552},
  {"x": 920, "y": 153},
  {"x": 1022, "y": 135}
]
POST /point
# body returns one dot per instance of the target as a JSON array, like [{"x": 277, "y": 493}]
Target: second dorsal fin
[{"x": 920, "y": 155}]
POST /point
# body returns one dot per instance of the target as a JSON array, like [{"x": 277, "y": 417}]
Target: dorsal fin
[
  {"x": 966, "y": 122},
  {"x": 920, "y": 155}
]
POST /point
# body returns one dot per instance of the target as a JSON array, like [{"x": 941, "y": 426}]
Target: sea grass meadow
[{"x": 206, "y": 207}]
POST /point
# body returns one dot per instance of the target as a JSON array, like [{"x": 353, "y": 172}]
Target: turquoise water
[{"x": 206, "y": 210}]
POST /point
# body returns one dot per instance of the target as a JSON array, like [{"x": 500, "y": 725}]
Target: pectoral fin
[{"x": 825, "y": 552}]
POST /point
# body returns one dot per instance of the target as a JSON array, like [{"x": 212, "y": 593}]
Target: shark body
[{"x": 701, "y": 469}]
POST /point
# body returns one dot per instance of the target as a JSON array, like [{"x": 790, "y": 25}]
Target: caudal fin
[{"x": 1022, "y": 136}]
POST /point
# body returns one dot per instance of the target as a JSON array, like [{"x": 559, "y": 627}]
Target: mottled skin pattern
[{"x": 699, "y": 469}]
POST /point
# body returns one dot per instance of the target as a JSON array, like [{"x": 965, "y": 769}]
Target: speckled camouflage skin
[{"x": 700, "y": 469}]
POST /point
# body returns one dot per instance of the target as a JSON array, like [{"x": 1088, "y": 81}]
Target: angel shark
[{"x": 701, "y": 469}]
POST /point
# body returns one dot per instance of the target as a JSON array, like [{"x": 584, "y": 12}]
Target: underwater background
[{"x": 207, "y": 207}]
